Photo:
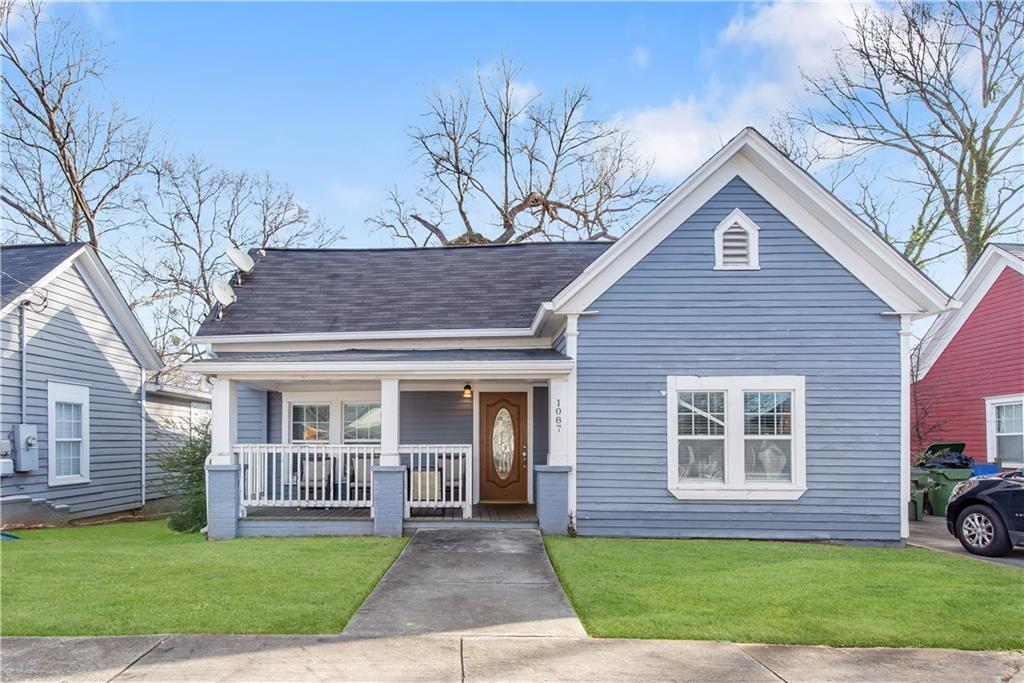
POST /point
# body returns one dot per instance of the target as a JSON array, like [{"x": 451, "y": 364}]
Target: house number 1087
[{"x": 558, "y": 414}]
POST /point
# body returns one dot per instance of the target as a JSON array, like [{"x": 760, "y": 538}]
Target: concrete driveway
[
  {"x": 931, "y": 533},
  {"x": 496, "y": 582}
]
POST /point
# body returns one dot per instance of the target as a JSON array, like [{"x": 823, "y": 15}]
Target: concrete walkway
[
  {"x": 495, "y": 582},
  {"x": 931, "y": 533},
  {"x": 486, "y": 658}
]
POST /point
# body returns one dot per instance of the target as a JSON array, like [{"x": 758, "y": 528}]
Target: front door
[{"x": 503, "y": 466}]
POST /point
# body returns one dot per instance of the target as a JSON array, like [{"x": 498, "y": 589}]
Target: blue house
[
  {"x": 82, "y": 419},
  {"x": 736, "y": 365}
]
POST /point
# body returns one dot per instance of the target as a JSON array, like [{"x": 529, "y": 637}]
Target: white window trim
[
  {"x": 990, "y": 424},
  {"x": 334, "y": 398},
  {"x": 737, "y": 217},
  {"x": 66, "y": 393},
  {"x": 734, "y": 487}
]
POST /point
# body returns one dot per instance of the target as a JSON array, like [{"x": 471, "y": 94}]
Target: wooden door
[{"x": 504, "y": 469}]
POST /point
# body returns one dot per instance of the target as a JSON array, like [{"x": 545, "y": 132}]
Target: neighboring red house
[{"x": 969, "y": 383}]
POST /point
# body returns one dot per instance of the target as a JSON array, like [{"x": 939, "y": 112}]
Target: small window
[
  {"x": 311, "y": 422},
  {"x": 736, "y": 243},
  {"x": 736, "y": 437},
  {"x": 68, "y": 427},
  {"x": 1006, "y": 430},
  {"x": 361, "y": 423}
]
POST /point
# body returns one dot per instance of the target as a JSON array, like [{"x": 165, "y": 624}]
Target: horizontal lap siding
[
  {"x": 72, "y": 341},
  {"x": 168, "y": 423},
  {"x": 801, "y": 314},
  {"x": 252, "y": 415},
  {"x": 435, "y": 417}
]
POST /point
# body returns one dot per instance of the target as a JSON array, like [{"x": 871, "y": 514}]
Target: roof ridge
[
  {"x": 43, "y": 244},
  {"x": 456, "y": 247}
]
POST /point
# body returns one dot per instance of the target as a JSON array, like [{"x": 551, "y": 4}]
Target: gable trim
[
  {"x": 971, "y": 292},
  {"x": 793, "y": 193}
]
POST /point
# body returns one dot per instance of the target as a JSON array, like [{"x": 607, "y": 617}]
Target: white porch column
[
  {"x": 223, "y": 419},
  {"x": 389, "y": 420},
  {"x": 558, "y": 422}
]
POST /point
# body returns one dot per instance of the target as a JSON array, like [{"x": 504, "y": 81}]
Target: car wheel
[{"x": 982, "y": 532}]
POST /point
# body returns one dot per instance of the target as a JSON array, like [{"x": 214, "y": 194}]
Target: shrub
[{"x": 186, "y": 477}]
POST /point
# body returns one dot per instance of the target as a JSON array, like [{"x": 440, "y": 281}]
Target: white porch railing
[
  {"x": 306, "y": 474},
  {"x": 440, "y": 476}
]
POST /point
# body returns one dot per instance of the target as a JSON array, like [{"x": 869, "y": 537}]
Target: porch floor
[{"x": 484, "y": 513}]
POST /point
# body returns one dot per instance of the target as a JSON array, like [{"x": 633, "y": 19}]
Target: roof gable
[
  {"x": 351, "y": 294},
  {"x": 795, "y": 194},
  {"x": 32, "y": 267},
  {"x": 993, "y": 262}
]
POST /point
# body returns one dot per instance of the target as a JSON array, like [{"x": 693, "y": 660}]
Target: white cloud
[
  {"x": 641, "y": 56},
  {"x": 774, "y": 42},
  {"x": 349, "y": 195}
]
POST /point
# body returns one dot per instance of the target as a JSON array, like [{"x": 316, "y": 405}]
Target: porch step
[
  {"x": 412, "y": 525},
  {"x": 305, "y": 527}
]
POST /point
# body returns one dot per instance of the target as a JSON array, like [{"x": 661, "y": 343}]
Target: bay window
[{"x": 736, "y": 437}]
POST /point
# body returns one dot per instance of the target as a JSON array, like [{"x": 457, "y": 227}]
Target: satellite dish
[
  {"x": 242, "y": 260},
  {"x": 224, "y": 294}
]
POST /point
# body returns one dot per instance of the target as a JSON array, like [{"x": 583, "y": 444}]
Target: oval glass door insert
[{"x": 503, "y": 443}]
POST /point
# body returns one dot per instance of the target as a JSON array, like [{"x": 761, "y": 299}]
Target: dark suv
[{"x": 986, "y": 514}]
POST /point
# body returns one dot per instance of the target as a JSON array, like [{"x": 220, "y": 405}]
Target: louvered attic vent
[
  {"x": 735, "y": 247},
  {"x": 736, "y": 243}
]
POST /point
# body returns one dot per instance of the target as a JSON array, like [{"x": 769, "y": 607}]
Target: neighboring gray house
[
  {"x": 74, "y": 375},
  {"x": 736, "y": 365}
]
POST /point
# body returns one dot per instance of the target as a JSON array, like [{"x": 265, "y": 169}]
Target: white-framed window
[
  {"x": 360, "y": 422},
  {"x": 1004, "y": 422},
  {"x": 736, "y": 243},
  {"x": 67, "y": 410},
  {"x": 736, "y": 437},
  {"x": 310, "y": 422}
]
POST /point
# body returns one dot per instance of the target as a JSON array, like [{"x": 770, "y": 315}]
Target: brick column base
[
  {"x": 388, "y": 499},
  {"x": 552, "y": 496}
]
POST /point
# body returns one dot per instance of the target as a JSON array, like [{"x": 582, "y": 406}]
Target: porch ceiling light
[{"x": 467, "y": 391}]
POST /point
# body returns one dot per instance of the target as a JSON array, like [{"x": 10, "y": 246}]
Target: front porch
[{"x": 332, "y": 454}]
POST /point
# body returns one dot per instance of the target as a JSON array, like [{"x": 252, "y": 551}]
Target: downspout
[
  {"x": 23, "y": 343},
  {"x": 142, "y": 413}
]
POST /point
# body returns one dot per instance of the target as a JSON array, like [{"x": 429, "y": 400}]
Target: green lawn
[
  {"x": 138, "y": 578},
  {"x": 748, "y": 591}
]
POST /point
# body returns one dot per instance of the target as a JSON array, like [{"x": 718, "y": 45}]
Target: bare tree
[
  {"x": 941, "y": 85},
  {"x": 504, "y": 165},
  {"x": 67, "y": 160},
  {"x": 192, "y": 214}
]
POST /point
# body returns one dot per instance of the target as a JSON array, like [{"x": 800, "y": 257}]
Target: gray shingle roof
[
  {"x": 374, "y": 290},
  {"x": 372, "y": 356},
  {"x": 21, "y": 266},
  {"x": 1015, "y": 249}
]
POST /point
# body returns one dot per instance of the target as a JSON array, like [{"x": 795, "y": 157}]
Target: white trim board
[
  {"x": 376, "y": 370},
  {"x": 971, "y": 291},
  {"x": 792, "y": 192}
]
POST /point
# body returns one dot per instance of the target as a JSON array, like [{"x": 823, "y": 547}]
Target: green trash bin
[{"x": 944, "y": 481}]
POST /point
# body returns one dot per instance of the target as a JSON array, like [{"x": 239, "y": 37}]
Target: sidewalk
[{"x": 483, "y": 658}]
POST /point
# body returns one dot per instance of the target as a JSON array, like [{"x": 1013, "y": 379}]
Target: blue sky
[{"x": 320, "y": 94}]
